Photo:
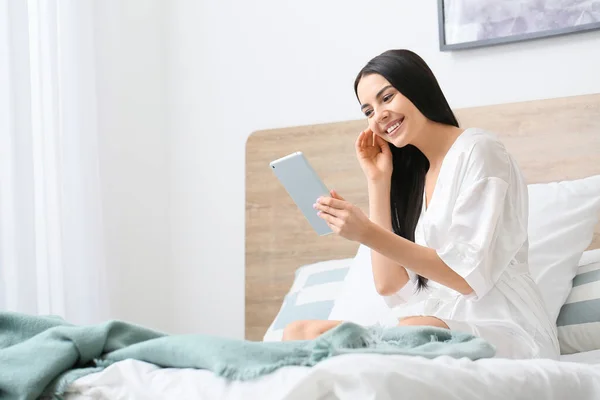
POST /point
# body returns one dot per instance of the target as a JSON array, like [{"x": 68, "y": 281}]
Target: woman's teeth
[{"x": 392, "y": 128}]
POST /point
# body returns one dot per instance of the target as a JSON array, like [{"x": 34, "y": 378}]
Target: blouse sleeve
[{"x": 473, "y": 249}]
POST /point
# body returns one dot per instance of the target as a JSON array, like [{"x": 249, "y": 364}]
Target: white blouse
[{"x": 477, "y": 223}]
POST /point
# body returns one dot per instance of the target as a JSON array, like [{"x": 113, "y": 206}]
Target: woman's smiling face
[{"x": 390, "y": 115}]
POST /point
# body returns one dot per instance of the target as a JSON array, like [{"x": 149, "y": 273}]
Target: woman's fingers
[
  {"x": 377, "y": 140},
  {"x": 333, "y": 227},
  {"x": 365, "y": 138},
  {"x": 358, "y": 142},
  {"x": 327, "y": 210},
  {"x": 331, "y": 202},
  {"x": 331, "y": 220},
  {"x": 335, "y": 195},
  {"x": 331, "y": 206},
  {"x": 382, "y": 144},
  {"x": 369, "y": 137}
]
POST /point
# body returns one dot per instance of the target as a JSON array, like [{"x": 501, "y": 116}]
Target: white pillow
[
  {"x": 311, "y": 296},
  {"x": 562, "y": 217},
  {"x": 358, "y": 300},
  {"x": 579, "y": 318}
]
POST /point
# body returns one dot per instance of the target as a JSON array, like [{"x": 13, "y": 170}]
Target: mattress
[{"x": 360, "y": 376}]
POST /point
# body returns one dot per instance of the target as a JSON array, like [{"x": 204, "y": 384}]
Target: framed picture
[{"x": 476, "y": 23}]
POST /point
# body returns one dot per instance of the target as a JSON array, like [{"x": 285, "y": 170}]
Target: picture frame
[{"x": 467, "y": 24}]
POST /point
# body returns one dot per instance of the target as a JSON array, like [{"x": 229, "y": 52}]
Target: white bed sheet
[
  {"x": 585, "y": 357},
  {"x": 360, "y": 376}
]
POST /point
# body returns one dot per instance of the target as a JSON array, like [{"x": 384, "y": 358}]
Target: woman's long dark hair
[{"x": 411, "y": 76}]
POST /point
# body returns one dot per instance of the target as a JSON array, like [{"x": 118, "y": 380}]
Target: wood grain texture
[{"x": 552, "y": 140}]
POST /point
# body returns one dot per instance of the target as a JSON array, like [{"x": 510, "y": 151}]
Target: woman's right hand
[{"x": 374, "y": 156}]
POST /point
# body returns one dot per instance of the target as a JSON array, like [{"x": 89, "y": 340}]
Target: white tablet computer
[{"x": 304, "y": 187}]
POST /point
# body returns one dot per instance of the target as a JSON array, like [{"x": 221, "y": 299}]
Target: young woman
[{"x": 448, "y": 210}]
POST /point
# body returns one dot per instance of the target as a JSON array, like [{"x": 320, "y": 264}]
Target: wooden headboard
[{"x": 552, "y": 140}]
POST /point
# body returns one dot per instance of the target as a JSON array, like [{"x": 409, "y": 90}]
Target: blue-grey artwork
[{"x": 477, "y": 23}]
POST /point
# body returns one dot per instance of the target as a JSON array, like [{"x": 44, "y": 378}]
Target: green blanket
[{"x": 43, "y": 355}]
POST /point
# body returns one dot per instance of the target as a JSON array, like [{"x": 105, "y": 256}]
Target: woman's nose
[{"x": 382, "y": 116}]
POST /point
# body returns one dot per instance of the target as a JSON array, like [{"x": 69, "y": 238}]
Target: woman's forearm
[
  {"x": 389, "y": 276},
  {"x": 422, "y": 260}
]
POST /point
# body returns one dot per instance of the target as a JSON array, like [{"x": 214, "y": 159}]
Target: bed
[{"x": 553, "y": 140}]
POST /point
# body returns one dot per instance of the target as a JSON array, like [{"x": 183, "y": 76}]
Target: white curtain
[{"x": 52, "y": 257}]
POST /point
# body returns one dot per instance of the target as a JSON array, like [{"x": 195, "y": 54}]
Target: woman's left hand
[{"x": 343, "y": 218}]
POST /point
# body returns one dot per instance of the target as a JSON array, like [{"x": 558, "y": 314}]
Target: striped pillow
[
  {"x": 311, "y": 296},
  {"x": 579, "y": 318}
]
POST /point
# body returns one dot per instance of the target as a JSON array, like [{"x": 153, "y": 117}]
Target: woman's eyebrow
[{"x": 378, "y": 95}]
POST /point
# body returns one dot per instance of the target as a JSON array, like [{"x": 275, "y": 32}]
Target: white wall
[
  {"x": 235, "y": 67},
  {"x": 130, "y": 44}
]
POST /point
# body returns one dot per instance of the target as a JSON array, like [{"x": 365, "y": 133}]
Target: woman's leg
[
  {"x": 422, "y": 321},
  {"x": 311, "y": 329},
  {"x": 307, "y": 329}
]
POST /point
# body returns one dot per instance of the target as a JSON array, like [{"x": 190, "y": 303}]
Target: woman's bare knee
[
  {"x": 307, "y": 329},
  {"x": 423, "y": 321},
  {"x": 295, "y": 330}
]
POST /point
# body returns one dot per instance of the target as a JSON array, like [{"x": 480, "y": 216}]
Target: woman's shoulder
[
  {"x": 484, "y": 154},
  {"x": 480, "y": 141}
]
